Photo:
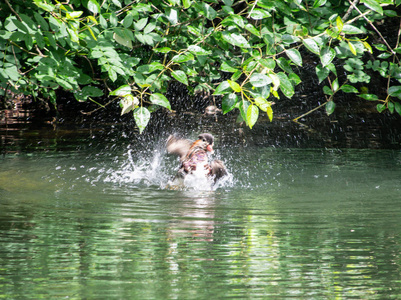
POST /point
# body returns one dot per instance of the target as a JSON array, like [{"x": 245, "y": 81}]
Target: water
[{"x": 98, "y": 223}]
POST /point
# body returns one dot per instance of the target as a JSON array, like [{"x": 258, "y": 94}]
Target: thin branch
[
  {"x": 311, "y": 111},
  {"x": 373, "y": 26},
  {"x": 12, "y": 9},
  {"x": 351, "y": 7}
]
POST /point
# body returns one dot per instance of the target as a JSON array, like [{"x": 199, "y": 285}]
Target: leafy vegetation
[{"x": 246, "y": 53}]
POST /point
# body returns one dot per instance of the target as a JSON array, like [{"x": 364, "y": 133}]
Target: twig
[
  {"x": 345, "y": 17},
  {"x": 12, "y": 9},
  {"x": 311, "y": 111},
  {"x": 373, "y": 26}
]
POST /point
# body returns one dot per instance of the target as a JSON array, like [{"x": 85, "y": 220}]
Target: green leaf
[
  {"x": 243, "y": 108},
  {"x": 180, "y": 76},
  {"x": 346, "y": 88},
  {"x": 369, "y": 97},
  {"x": 380, "y": 47},
  {"x": 259, "y": 80},
  {"x": 93, "y": 6},
  {"x": 327, "y": 55},
  {"x": 327, "y": 90},
  {"x": 228, "y": 102},
  {"x": 330, "y": 106},
  {"x": 128, "y": 103},
  {"x": 380, "y": 107},
  {"x": 160, "y": 100},
  {"x": 269, "y": 112},
  {"x": 252, "y": 115},
  {"x": 222, "y": 88},
  {"x": 350, "y": 29},
  {"x": 123, "y": 40},
  {"x": 142, "y": 117},
  {"x": 390, "y": 106},
  {"x": 183, "y": 57},
  {"x": 208, "y": 11},
  {"x": 295, "y": 56},
  {"x": 395, "y": 91},
  {"x": 140, "y": 24},
  {"x": 252, "y": 29},
  {"x": 259, "y": 14},
  {"x": 235, "y": 39},
  {"x": 235, "y": 86},
  {"x": 373, "y": 5},
  {"x": 285, "y": 85},
  {"x": 91, "y": 91},
  {"x": 319, "y": 3},
  {"x": 312, "y": 46},
  {"x": 397, "y": 107},
  {"x": 340, "y": 23},
  {"x": 121, "y": 91},
  {"x": 162, "y": 50},
  {"x": 199, "y": 50},
  {"x": 352, "y": 48},
  {"x": 384, "y": 55},
  {"x": 226, "y": 66},
  {"x": 41, "y": 21}
]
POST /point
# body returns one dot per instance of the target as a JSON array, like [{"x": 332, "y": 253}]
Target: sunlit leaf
[
  {"x": 226, "y": 66},
  {"x": 121, "y": 91},
  {"x": 142, "y": 117},
  {"x": 285, "y": 85},
  {"x": 352, "y": 48},
  {"x": 180, "y": 76},
  {"x": 235, "y": 86},
  {"x": 199, "y": 50},
  {"x": 258, "y": 14},
  {"x": 93, "y": 6},
  {"x": 252, "y": 115},
  {"x": 311, "y": 45},
  {"x": 327, "y": 55},
  {"x": 259, "y": 80},
  {"x": 222, "y": 88},
  {"x": 160, "y": 100},
  {"x": 295, "y": 56},
  {"x": 236, "y": 39},
  {"x": 350, "y": 29},
  {"x": 269, "y": 112},
  {"x": 369, "y": 97},
  {"x": 339, "y": 23},
  {"x": 374, "y": 5}
]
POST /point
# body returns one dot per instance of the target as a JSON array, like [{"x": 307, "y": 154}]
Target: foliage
[{"x": 246, "y": 52}]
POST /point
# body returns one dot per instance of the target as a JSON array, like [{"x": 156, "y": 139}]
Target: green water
[{"x": 289, "y": 223}]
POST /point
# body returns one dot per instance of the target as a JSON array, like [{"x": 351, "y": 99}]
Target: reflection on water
[{"x": 300, "y": 223}]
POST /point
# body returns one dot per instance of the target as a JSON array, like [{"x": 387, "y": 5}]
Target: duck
[{"x": 195, "y": 167}]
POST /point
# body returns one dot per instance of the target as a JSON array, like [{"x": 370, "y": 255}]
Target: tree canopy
[{"x": 246, "y": 53}]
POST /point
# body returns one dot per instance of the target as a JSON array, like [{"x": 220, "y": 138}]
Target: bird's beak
[{"x": 209, "y": 148}]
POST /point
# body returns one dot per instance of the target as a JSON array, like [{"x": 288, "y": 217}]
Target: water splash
[{"x": 158, "y": 169}]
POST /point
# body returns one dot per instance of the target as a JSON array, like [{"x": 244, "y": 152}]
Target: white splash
[{"x": 160, "y": 171}]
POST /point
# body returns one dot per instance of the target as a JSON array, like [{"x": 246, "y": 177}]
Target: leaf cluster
[{"x": 248, "y": 54}]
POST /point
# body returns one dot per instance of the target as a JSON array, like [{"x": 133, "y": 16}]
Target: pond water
[{"x": 97, "y": 222}]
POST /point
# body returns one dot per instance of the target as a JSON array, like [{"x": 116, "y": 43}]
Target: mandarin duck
[{"x": 194, "y": 158}]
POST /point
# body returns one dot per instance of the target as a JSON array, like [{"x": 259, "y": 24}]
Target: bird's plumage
[{"x": 194, "y": 157}]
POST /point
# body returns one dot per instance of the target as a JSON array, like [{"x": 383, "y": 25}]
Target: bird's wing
[
  {"x": 218, "y": 169},
  {"x": 178, "y": 146}
]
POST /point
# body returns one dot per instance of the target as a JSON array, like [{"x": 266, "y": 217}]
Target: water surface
[{"x": 98, "y": 223}]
